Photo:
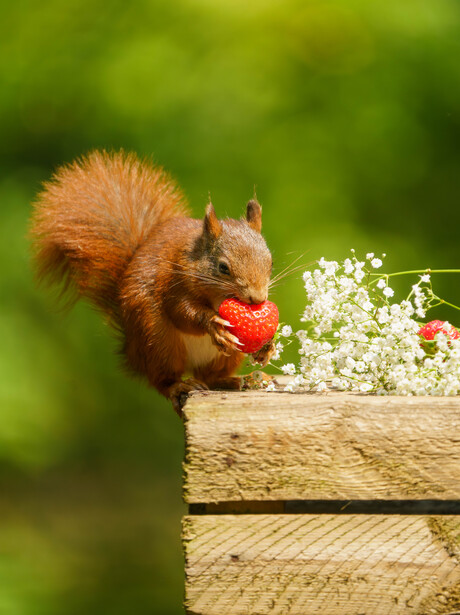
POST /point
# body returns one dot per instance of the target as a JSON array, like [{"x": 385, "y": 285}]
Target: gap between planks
[{"x": 337, "y": 507}]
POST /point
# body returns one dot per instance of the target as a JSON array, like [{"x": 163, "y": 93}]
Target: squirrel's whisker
[
  {"x": 285, "y": 274},
  {"x": 280, "y": 274}
]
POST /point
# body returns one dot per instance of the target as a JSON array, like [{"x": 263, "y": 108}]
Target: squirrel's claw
[
  {"x": 225, "y": 341},
  {"x": 221, "y": 321},
  {"x": 263, "y": 356}
]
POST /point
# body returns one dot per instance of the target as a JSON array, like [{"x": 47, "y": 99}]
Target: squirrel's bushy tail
[{"x": 92, "y": 217}]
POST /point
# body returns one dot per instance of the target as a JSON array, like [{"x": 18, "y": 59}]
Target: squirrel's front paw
[
  {"x": 263, "y": 356},
  {"x": 221, "y": 336}
]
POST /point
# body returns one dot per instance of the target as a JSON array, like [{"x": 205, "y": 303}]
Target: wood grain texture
[
  {"x": 326, "y": 564},
  {"x": 279, "y": 446}
]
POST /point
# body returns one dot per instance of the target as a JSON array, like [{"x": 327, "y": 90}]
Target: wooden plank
[
  {"x": 279, "y": 446},
  {"x": 327, "y": 564}
]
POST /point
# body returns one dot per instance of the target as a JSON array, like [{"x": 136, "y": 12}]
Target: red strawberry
[
  {"x": 429, "y": 330},
  {"x": 254, "y": 325}
]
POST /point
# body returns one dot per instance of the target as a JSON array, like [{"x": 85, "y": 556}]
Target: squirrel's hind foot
[
  {"x": 179, "y": 392},
  {"x": 257, "y": 380},
  {"x": 227, "y": 383}
]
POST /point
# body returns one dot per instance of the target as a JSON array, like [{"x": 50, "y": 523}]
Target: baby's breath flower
[
  {"x": 441, "y": 341},
  {"x": 286, "y": 331},
  {"x": 355, "y": 339},
  {"x": 388, "y": 292},
  {"x": 289, "y": 368},
  {"x": 330, "y": 267},
  {"x": 270, "y": 386},
  {"x": 368, "y": 305},
  {"x": 279, "y": 347}
]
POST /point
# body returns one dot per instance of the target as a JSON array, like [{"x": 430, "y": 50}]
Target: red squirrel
[{"x": 117, "y": 228}]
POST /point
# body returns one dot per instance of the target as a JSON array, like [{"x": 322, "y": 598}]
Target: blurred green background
[{"x": 346, "y": 118}]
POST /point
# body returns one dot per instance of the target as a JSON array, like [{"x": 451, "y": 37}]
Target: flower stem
[
  {"x": 444, "y": 302},
  {"x": 411, "y": 272}
]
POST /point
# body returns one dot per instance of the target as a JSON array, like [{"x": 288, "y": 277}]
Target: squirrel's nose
[{"x": 257, "y": 297}]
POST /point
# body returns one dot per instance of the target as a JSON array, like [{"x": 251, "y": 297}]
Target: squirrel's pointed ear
[
  {"x": 212, "y": 226},
  {"x": 254, "y": 215}
]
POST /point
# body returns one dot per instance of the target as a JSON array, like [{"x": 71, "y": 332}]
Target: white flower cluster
[
  {"x": 285, "y": 331},
  {"x": 355, "y": 339}
]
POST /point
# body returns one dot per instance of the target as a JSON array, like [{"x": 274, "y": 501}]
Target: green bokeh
[{"x": 345, "y": 117}]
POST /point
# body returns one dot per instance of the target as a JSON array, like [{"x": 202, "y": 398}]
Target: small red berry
[
  {"x": 429, "y": 330},
  {"x": 254, "y": 325}
]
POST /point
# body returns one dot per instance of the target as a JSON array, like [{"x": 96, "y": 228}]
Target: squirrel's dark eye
[{"x": 223, "y": 268}]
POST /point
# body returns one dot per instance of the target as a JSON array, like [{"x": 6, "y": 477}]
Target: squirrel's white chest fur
[{"x": 199, "y": 349}]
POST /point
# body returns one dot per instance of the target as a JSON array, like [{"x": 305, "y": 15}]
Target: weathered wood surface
[
  {"x": 333, "y": 446},
  {"x": 325, "y": 564}
]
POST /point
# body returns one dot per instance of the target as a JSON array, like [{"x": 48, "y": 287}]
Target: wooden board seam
[{"x": 337, "y": 507}]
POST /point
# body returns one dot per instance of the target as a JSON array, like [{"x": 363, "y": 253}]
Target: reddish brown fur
[
  {"x": 93, "y": 215},
  {"x": 116, "y": 228},
  {"x": 150, "y": 313}
]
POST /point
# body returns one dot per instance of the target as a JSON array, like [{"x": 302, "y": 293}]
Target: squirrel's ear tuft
[
  {"x": 254, "y": 215},
  {"x": 212, "y": 226}
]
